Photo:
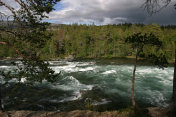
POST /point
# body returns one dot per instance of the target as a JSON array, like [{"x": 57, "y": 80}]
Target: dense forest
[{"x": 91, "y": 41}]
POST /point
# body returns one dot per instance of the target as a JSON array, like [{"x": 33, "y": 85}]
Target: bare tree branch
[
  {"x": 154, "y": 6},
  {"x": 12, "y": 10}
]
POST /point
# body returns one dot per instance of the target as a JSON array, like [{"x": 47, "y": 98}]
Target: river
[{"x": 98, "y": 86}]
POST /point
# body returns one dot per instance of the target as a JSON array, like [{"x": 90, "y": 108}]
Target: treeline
[{"x": 91, "y": 41}]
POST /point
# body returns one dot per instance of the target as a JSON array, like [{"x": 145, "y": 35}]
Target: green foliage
[
  {"x": 156, "y": 54},
  {"x": 26, "y": 35},
  {"x": 34, "y": 71},
  {"x": 139, "y": 41},
  {"x": 107, "y": 41},
  {"x": 159, "y": 60}
]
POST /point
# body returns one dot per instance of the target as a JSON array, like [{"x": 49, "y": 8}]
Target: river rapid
[{"x": 98, "y": 86}]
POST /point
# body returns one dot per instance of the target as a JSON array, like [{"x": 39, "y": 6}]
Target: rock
[
  {"x": 157, "y": 112},
  {"x": 3, "y": 114},
  {"x": 69, "y": 58}
]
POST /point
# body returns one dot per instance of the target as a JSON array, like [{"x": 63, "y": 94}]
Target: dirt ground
[{"x": 153, "y": 112}]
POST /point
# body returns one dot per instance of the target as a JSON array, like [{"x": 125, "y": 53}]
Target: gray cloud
[
  {"x": 110, "y": 12},
  {"x": 104, "y": 12}
]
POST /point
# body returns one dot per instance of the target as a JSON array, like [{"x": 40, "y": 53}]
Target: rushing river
[{"x": 92, "y": 85}]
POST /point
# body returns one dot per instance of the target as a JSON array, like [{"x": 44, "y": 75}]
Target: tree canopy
[
  {"x": 24, "y": 30},
  {"x": 138, "y": 42}
]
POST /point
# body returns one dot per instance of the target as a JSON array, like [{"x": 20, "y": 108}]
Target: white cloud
[
  {"x": 104, "y": 12},
  {"x": 100, "y": 11}
]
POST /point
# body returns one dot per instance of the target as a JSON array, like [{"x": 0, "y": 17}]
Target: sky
[{"x": 102, "y": 12}]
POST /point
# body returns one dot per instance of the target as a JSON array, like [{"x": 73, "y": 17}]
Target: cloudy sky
[
  {"x": 103, "y": 12},
  {"x": 109, "y": 12}
]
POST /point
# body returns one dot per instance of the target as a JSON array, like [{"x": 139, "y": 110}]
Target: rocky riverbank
[{"x": 149, "y": 112}]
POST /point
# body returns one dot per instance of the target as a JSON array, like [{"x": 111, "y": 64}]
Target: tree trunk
[
  {"x": 174, "y": 89},
  {"x": 174, "y": 81},
  {"x": 133, "y": 81},
  {"x": 1, "y": 107}
]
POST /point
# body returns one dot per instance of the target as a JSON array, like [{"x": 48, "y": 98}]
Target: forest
[
  {"x": 37, "y": 75},
  {"x": 92, "y": 41}
]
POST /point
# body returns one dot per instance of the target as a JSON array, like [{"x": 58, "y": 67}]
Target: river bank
[
  {"x": 149, "y": 112},
  {"x": 102, "y": 60}
]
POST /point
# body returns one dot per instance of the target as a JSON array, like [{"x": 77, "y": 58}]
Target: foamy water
[{"x": 108, "y": 84}]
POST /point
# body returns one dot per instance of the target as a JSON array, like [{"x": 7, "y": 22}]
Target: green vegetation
[
  {"x": 107, "y": 41},
  {"x": 140, "y": 43},
  {"x": 29, "y": 39},
  {"x": 23, "y": 32}
]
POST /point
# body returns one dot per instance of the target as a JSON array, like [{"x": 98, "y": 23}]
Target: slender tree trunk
[
  {"x": 174, "y": 89},
  {"x": 174, "y": 82},
  {"x": 133, "y": 81},
  {"x": 1, "y": 108},
  {"x": 0, "y": 99}
]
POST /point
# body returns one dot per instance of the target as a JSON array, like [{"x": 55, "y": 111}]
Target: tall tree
[
  {"x": 23, "y": 30},
  {"x": 139, "y": 41}
]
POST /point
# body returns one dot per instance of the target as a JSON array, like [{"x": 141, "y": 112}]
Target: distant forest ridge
[
  {"x": 120, "y": 24},
  {"x": 103, "y": 41}
]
